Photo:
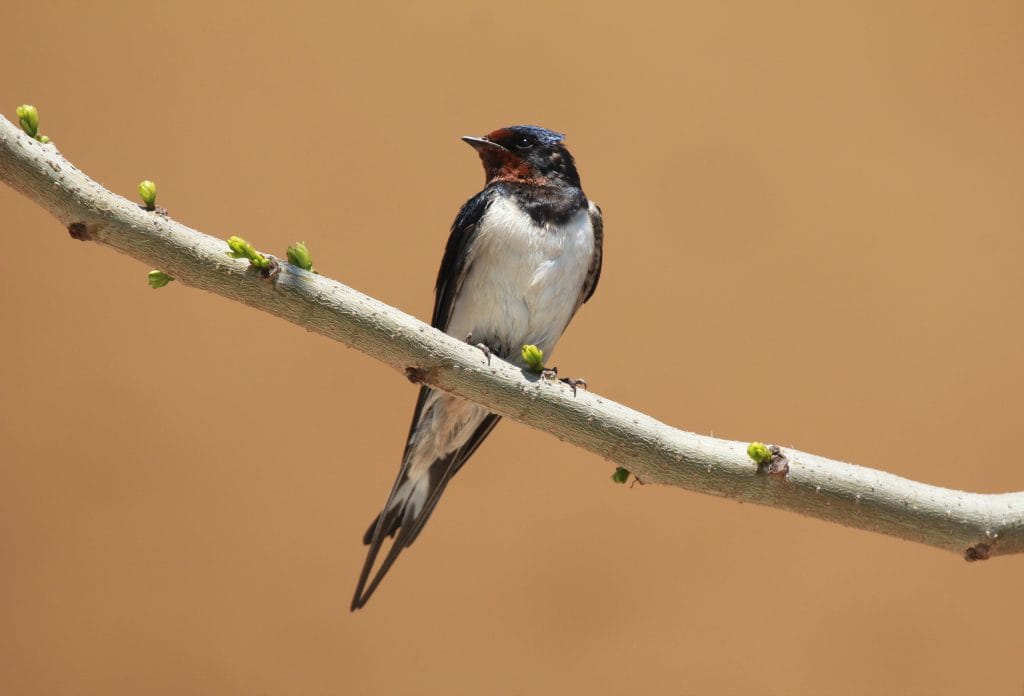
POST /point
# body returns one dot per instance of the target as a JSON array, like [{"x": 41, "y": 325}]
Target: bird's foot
[
  {"x": 484, "y": 348},
  {"x": 551, "y": 373},
  {"x": 574, "y": 383}
]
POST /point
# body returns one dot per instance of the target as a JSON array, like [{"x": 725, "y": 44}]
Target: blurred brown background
[{"x": 823, "y": 200}]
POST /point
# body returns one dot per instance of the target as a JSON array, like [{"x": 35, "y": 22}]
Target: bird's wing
[
  {"x": 410, "y": 502},
  {"x": 594, "y": 274},
  {"x": 455, "y": 264}
]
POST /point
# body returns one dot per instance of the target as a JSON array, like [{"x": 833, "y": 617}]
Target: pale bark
[{"x": 973, "y": 525}]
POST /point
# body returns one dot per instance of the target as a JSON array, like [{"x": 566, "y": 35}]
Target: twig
[{"x": 973, "y": 525}]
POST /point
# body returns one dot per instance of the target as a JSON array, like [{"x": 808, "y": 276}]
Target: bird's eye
[{"x": 523, "y": 143}]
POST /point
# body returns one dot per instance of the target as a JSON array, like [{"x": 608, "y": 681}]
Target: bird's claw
[
  {"x": 484, "y": 348},
  {"x": 551, "y": 373},
  {"x": 574, "y": 383}
]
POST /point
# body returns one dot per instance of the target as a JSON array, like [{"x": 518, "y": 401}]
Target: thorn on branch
[
  {"x": 79, "y": 231},
  {"x": 769, "y": 459},
  {"x": 978, "y": 552}
]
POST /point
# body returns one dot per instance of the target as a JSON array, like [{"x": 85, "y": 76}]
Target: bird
[{"x": 522, "y": 257}]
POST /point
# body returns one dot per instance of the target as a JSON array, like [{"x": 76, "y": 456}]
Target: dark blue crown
[{"x": 543, "y": 135}]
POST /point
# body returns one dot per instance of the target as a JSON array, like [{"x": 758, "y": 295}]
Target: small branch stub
[
  {"x": 978, "y": 552},
  {"x": 79, "y": 231},
  {"x": 416, "y": 375}
]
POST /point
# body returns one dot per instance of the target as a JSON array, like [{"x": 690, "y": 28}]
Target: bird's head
[{"x": 526, "y": 154}]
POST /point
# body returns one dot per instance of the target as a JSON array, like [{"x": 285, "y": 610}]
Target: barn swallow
[{"x": 523, "y": 255}]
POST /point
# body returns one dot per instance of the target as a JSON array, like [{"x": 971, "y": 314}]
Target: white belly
[{"x": 524, "y": 281}]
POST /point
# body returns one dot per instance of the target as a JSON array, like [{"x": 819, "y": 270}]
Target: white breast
[{"x": 524, "y": 280}]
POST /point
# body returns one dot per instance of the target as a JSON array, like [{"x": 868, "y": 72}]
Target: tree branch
[{"x": 971, "y": 524}]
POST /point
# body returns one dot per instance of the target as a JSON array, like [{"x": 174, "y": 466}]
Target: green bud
[
  {"x": 28, "y": 115},
  {"x": 44, "y": 139},
  {"x": 298, "y": 255},
  {"x": 759, "y": 452},
  {"x": 147, "y": 191},
  {"x": 621, "y": 475},
  {"x": 241, "y": 249},
  {"x": 158, "y": 279},
  {"x": 534, "y": 357}
]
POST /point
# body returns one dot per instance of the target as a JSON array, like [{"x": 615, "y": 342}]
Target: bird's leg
[
  {"x": 482, "y": 346},
  {"x": 573, "y": 383}
]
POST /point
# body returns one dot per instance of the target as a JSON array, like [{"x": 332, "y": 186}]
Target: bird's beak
[{"x": 481, "y": 144}]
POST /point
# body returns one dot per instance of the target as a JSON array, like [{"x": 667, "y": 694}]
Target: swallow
[{"x": 523, "y": 255}]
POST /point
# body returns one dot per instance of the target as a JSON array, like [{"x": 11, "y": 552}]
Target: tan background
[{"x": 822, "y": 202}]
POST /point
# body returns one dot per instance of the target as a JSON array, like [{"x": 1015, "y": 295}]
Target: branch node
[
  {"x": 271, "y": 269},
  {"x": 417, "y": 375},
  {"x": 978, "y": 552},
  {"x": 158, "y": 210},
  {"x": 769, "y": 459},
  {"x": 79, "y": 231}
]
